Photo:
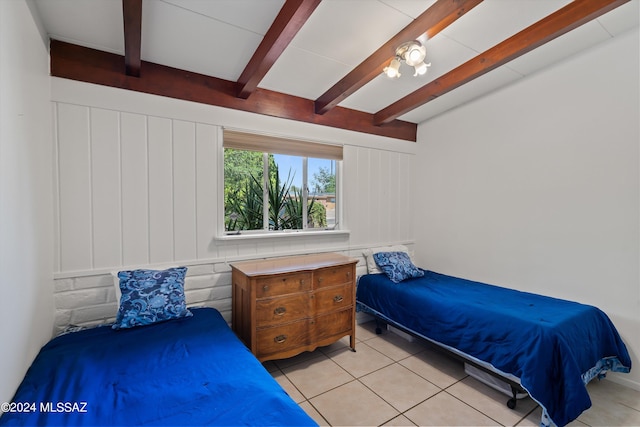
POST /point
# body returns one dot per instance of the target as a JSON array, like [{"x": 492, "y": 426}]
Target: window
[{"x": 275, "y": 184}]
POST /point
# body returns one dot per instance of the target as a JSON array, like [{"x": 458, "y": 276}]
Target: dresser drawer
[
  {"x": 282, "y": 338},
  {"x": 283, "y": 284},
  {"x": 334, "y": 298},
  {"x": 274, "y": 311},
  {"x": 334, "y": 276},
  {"x": 332, "y": 324}
]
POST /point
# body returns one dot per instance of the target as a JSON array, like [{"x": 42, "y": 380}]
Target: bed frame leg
[
  {"x": 511, "y": 403},
  {"x": 378, "y": 327}
]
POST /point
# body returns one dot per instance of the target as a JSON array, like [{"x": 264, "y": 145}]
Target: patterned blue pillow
[
  {"x": 151, "y": 296},
  {"x": 397, "y": 266}
]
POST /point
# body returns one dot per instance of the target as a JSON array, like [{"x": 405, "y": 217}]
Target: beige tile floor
[{"x": 391, "y": 381}]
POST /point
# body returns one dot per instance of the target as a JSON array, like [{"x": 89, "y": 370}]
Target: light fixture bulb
[
  {"x": 393, "y": 70},
  {"x": 421, "y": 69},
  {"x": 415, "y": 54}
]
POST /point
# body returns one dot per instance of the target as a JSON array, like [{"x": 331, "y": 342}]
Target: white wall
[
  {"x": 136, "y": 185},
  {"x": 536, "y": 187},
  {"x": 26, "y": 314}
]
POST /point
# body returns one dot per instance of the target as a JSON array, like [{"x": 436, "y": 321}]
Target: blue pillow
[
  {"x": 151, "y": 296},
  {"x": 397, "y": 266}
]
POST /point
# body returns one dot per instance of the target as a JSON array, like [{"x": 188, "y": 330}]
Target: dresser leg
[{"x": 352, "y": 343}]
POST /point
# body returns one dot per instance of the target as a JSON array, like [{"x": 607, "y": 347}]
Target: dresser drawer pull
[
  {"x": 338, "y": 298},
  {"x": 320, "y": 279},
  {"x": 265, "y": 288},
  {"x": 280, "y": 339},
  {"x": 279, "y": 311},
  {"x": 302, "y": 281}
]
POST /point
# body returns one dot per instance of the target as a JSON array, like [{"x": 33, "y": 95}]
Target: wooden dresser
[{"x": 284, "y": 306}]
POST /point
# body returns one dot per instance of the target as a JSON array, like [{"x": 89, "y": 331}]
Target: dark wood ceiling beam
[
  {"x": 440, "y": 15},
  {"x": 132, "y": 16},
  {"x": 290, "y": 19},
  {"x": 93, "y": 66},
  {"x": 558, "y": 23}
]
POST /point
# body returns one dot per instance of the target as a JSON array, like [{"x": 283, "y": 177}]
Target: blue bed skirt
[
  {"x": 554, "y": 347},
  {"x": 191, "y": 372}
]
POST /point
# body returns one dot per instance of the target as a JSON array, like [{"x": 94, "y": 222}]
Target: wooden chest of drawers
[{"x": 284, "y": 306}]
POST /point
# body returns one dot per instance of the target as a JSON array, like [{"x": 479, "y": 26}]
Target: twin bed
[
  {"x": 548, "y": 347},
  {"x": 189, "y": 371}
]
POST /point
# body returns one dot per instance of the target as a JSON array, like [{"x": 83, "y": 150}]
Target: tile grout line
[
  {"x": 445, "y": 390},
  {"x": 357, "y": 379},
  {"x": 472, "y": 407}
]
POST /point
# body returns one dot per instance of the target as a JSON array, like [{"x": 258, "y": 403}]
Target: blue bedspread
[
  {"x": 191, "y": 372},
  {"x": 551, "y": 345}
]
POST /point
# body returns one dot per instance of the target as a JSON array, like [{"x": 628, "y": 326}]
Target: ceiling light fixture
[{"x": 413, "y": 53}]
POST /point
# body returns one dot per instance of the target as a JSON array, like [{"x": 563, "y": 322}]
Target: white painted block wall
[{"x": 89, "y": 300}]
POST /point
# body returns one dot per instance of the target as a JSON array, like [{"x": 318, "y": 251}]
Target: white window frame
[{"x": 222, "y": 234}]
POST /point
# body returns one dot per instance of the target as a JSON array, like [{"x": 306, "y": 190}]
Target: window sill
[{"x": 281, "y": 234}]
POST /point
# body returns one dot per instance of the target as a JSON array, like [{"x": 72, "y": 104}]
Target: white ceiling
[{"x": 218, "y": 38}]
